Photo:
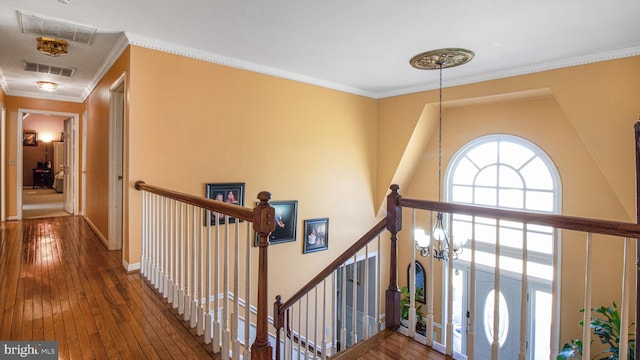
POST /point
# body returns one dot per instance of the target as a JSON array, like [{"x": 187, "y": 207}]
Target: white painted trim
[
  {"x": 19, "y": 163},
  {"x": 117, "y": 50},
  {"x": 3, "y": 165},
  {"x": 115, "y": 243},
  {"x": 130, "y": 267}
]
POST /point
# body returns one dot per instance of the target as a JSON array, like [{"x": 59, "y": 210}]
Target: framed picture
[
  {"x": 286, "y": 213},
  {"x": 30, "y": 138},
  {"x": 232, "y": 193},
  {"x": 316, "y": 235}
]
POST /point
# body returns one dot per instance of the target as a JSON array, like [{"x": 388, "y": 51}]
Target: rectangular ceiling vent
[
  {"x": 48, "y": 69},
  {"x": 33, "y": 24}
]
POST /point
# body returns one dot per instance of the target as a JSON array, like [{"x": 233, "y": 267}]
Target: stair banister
[
  {"x": 264, "y": 224},
  {"x": 394, "y": 225}
]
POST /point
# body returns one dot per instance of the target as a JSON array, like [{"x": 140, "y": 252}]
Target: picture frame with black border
[
  {"x": 286, "y": 218},
  {"x": 232, "y": 193},
  {"x": 29, "y": 138},
  {"x": 316, "y": 235}
]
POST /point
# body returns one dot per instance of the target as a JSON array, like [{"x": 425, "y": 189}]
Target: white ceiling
[{"x": 358, "y": 46}]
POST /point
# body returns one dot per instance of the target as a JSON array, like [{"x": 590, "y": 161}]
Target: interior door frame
[
  {"x": 3, "y": 165},
  {"x": 117, "y": 106},
  {"x": 19, "y": 161}
]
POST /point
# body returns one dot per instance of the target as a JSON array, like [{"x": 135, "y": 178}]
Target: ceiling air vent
[
  {"x": 48, "y": 69},
  {"x": 33, "y": 24}
]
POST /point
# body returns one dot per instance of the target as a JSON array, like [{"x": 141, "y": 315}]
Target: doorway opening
[
  {"x": 45, "y": 162},
  {"x": 117, "y": 96}
]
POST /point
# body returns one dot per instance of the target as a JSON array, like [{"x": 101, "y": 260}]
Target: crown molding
[
  {"x": 525, "y": 70},
  {"x": 114, "y": 54},
  {"x": 196, "y": 54}
]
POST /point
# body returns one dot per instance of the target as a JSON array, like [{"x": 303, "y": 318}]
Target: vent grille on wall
[
  {"x": 48, "y": 69},
  {"x": 33, "y": 24}
]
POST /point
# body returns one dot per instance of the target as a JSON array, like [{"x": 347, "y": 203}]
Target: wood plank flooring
[
  {"x": 390, "y": 345},
  {"x": 59, "y": 283}
]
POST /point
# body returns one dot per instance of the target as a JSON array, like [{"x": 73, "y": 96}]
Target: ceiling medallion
[
  {"x": 52, "y": 47},
  {"x": 441, "y": 58}
]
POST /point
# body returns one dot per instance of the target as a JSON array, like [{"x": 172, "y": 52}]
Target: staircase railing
[{"x": 191, "y": 253}]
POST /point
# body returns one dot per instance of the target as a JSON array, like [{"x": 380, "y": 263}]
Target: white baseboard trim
[
  {"x": 130, "y": 267},
  {"x": 12, "y": 218}
]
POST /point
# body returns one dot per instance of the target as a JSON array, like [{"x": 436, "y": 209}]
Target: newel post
[
  {"x": 263, "y": 223},
  {"x": 394, "y": 225},
  {"x": 636, "y": 128}
]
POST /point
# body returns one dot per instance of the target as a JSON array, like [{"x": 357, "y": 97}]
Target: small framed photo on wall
[
  {"x": 232, "y": 193},
  {"x": 316, "y": 235},
  {"x": 29, "y": 138},
  {"x": 286, "y": 213}
]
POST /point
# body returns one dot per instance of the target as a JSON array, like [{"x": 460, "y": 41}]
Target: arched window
[{"x": 509, "y": 172}]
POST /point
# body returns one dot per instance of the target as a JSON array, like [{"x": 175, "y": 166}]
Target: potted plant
[
  {"x": 404, "y": 309},
  {"x": 606, "y": 325}
]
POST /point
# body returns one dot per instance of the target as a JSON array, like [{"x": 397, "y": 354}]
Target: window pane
[
  {"x": 542, "y": 243},
  {"x": 509, "y": 178},
  {"x": 465, "y": 172},
  {"x": 539, "y": 201},
  {"x": 537, "y": 175},
  {"x": 487, "y": 176},
  {"x": 484, "y": 154},
  {"x": 542, "y": 326},
  {"x": 462, "y": 194},
  {"x": 514, "y": 154},
  {"x": 511, "y": 199},
  {"x": 485, "y": 196}
]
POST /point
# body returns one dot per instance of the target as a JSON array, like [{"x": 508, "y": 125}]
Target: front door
[{"x": 509, "y": 316}]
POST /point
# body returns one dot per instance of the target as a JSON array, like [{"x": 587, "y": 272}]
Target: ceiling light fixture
[
  {"x": 438, "y": 60},
  {"x": 51, "y": 46},
  {"x": 47, "y": 86}
]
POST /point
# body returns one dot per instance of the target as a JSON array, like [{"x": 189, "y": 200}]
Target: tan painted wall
[
  {"x": 97, "y": 103},
  {"x": 14, "y": 103},
  {"x": 192, "y": 123},
  {"x": 582, "y": 117}
]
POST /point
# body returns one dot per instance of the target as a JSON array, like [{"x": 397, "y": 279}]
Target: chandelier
[{"x": 443, "y": 248}]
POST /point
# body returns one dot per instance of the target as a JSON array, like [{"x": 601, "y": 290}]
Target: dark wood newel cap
[
  {"x": 264, "y": 196},
  {"x": 394, "y": 187}
]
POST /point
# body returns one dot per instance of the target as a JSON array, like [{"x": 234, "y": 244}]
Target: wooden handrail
[
  {"x": 335, "y": 264},
  {"x": 236, "y": 211},
  {"x": 594, "y": 226}
]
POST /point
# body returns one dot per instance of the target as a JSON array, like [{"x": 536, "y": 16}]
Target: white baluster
[
  {"x": 471, "y": 334},
  {"x": 449, "y": 328},
  {"x": 343, "y": 325},
  {"x": 188, "y": 260},
  {"x": 195, "y": 278},
  {"x": 412, "y": 279},
  {"x": 225, "y": 297},
  {"x": 586, "y": 316},
  {"x": 495, "y": 345},
  {"x": 236, "y": 293},
  {"x": 365, "y": 316},
  {"x": 171, "y": 253},
  {"x": 247, "y": 295},
  {"x": 354, "y": 308},
  {"x": 181, "y": 257},
  {"x": 201, "y": 273},
  {"x": 522, "y": 355},
  {"x": 208, "y": 319},
  {"x": 216, "y": 290},
  {"x": 324, "y": 319},
  {"x": 430, "y": 285},
  {"x": 628, "y": 271}
]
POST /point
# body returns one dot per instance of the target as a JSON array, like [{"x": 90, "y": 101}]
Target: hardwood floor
[
  {"x": 59, "y": 283},
  {"x": 390, "y": 345}
]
